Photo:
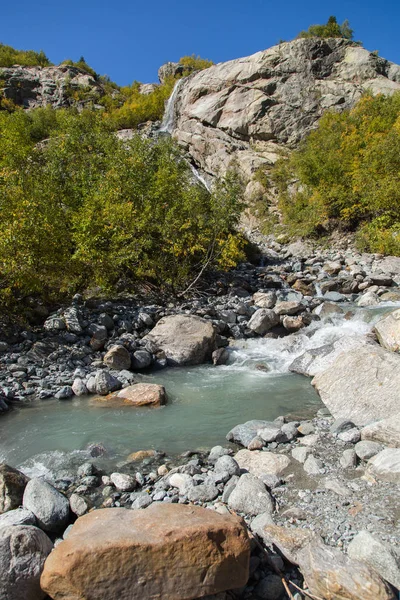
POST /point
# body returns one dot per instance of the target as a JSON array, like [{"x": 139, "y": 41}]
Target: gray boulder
[
  {"x": 387, "y": 330},
  {"x": 141, "y": 360},
  {"x": 386, "y": 431},
  {"x": 245, "y": 432},
  {"x": 50, "y": 507},
  {"x": 250, "y": 496},
  {"x": 227, "y": 464},
  {"x": 361, "y": 386},
  {"x": 263, "y": 320},
  {"x": 23, "y": 551},
  {"x": 12, "y": 486},
  {"x": 104, "y": 383},
  {"x": 185, "y": 339},
  {"x": 386, "y": 465},
  {"x": 379, "y": 556},
  {"x": 366, "y": 450},
  {"x": 18, "y": 516}
]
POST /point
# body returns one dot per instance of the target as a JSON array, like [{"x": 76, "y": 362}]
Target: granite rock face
[{"x": 250, "y": 107}]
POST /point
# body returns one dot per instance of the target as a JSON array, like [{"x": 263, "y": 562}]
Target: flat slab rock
[
  {"x": 361, "y": 386},
  {"x": 386, "y": 465},
  {"x": 185, "y": 339},
  {"x": 165, "y": 552},
  {"x": 260, "y": 463},
  {"x": 387, "y": 330}
]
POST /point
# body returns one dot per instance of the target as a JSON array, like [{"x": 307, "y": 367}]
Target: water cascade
[{"x": 167, "y": 124}]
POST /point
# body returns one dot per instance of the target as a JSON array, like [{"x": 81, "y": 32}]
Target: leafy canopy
[
  {"x": 347, "y": 174},
  {"x": 82, "y": 208},
  {"x": 331, "y": 29},
  {"x": 9, "y": 56}
]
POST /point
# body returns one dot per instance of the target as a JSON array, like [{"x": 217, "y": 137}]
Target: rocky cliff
[
  {"x": 252, "y": 107},
  {"x": 32, "y": 87}
]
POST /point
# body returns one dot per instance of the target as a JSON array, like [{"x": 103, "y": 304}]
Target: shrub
[
  {"x": 331, "y": 29},
  {"x": 9, "y": 56},
  {"x": 85, "y": 208},
  {"x": 347, "y": 173}
]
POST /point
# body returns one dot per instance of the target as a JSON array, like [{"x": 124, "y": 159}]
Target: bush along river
[{"x": 272, "y": 394}]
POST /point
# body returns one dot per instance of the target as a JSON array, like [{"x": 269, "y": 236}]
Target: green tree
[{"x": 331, "y": 29}]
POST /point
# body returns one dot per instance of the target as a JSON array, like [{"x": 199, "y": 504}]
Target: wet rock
[
  {"x": 387, "y": 330},
  {"x": 370, "y": 550},
  {"x": 220, "y": 356},
  {"x": 386, "y": 431},
  {"x": 185, "y": 339},
  {"x": 64, "y": 393},
  {"x": 368, "y": 299},
  {"x": 263, "y": 320},
  {"x": 386, "y": 465},
  {"x": 328, "y": 309},
  {"x": 139, "y": 394},
  {"x": 261, "y": 463},
  {"x": 118, "y": 358},
  {"x": 78, "y": 387},
  {"x": 250, "y": 496},
  {"x": 161, "y": 546},
  {"x": 12, "y": 486},
  {"x": 350, "y": 389},
  {"x": 23, "y": 551},
  {"x": 292, "y": 324},
  {"x": 50, "y": 507}
]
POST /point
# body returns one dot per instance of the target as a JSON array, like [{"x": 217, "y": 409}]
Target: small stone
[
  {"x": 336, "y": 486},
  {"x": 228, "y": 464},
  {"x": 310, "y": 440},
  {"x": 123, "y": 482},
  {"x": 202, "y": 493},
  {"x": 301, "y": 453},
  {"x": 216, "y": 452},
  {"x": 351, "y": 436},
  {"x": 348, "y": 460},
  {"x": 79, "y": 506},
  {"x": 142, "y": 501},
  {"x": 64, "y": 393},
  {"x": 269, "y": 434},
  {"x": 366, "y": 450},
  {"x": 79, "y": 388},
  {"x": 141, "y": 360},
  {"x": 313, "y": 466},
  {"x": 18, "y": 516},
  {"x": 306, "y": 428},
  {"x": 341, "y": 425},
  {"x": 118, "y": 358},
  {"x": 250, "y": 496},
  {"x": 270, "y": 588}
]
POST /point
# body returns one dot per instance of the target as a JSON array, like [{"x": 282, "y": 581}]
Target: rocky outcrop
[
  {"x": 361, "y": 386},
  {"x": 185, "y": 339},
  {"x": 32, "y": 87},
  {"x": 251, "y": 107},
  {"x": 167, "y": 551}
]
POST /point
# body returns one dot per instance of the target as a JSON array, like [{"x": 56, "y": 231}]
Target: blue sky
[{"x": 130, "y": 40}]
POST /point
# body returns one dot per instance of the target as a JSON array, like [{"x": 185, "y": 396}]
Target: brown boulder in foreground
[{"x": 165, "y": 552}]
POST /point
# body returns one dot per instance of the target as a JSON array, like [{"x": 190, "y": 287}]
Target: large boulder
[
  {"x": 12, "y": 486},
  {"x": 167, "y": 551},
  {"x": 185, "y": 339},
  {"x": 385, "y": 431},
  {"x": 23, "y": 551},
  {"x": 387, "y": 330},
  {"x": 263, "y": 320},
  {"x": 361, "y": 386},
  {"x": 317, "y": 360},
  {"x": 50, "y": 507},
  {"x": 139, "y": 394},
  {"x": 378, "y": 555},
  {"x": 262, "y": 463},
  {"x": 386, "y": 465},
  {"x": 332, "y": 575}
]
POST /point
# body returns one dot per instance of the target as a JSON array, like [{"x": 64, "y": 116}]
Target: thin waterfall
[
  {"x": 199, "y": 178},
  {"x": 167, "y": 124}
]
